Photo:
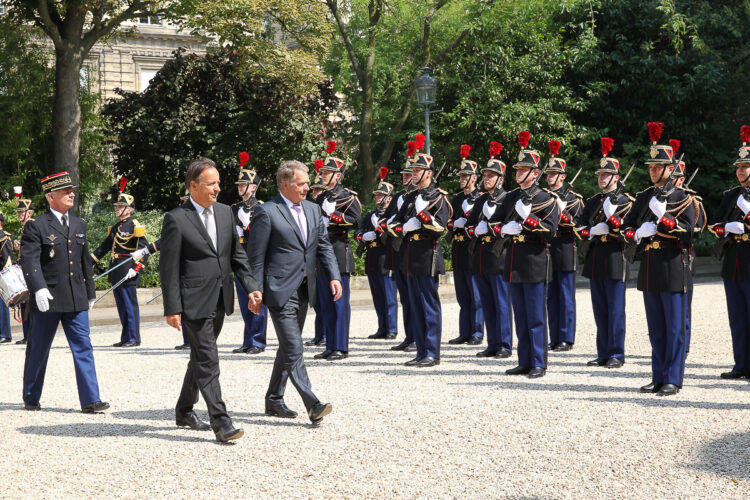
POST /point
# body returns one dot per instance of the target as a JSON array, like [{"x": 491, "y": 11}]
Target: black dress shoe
[
  {"x": 118, "y": 344},
  {"x": 551, "y": 346},
  {"x": 240, "y": 350},
  {"x": 5, "y": 340},
  {"x": 255, "y": 350},
  {"x": 336, "y": 355},
  {"x": 137, "y": 343},
  {"x": 390, "y": 336},
  {"x": 21, "y": 342},
  {"x": 475, "y": 341},
  {"x": 410, "y": 347},
  {"x": 32, "y": 406},
  {"x": 734, "y": 374},
  {"x": 614, "y": 363},
  {"x": 228, "y": 433},
  {"x": 459, "y": 340},
  {"x": 502, "y": 353},
  {"x": 412, "y": 362},
  {"x": 518, "y": 370},
  {"x": 128, "y": 344},
  {"x": 487, "y": 353},
  {"x": 597, "y": 362},
  {"x": 650, "y": 388},
  {"x": 536, "y": 372},
  {"x": 377, "y": 335},
  {"x": 191, "y": 420},
  {"x": 181, "y": 347},
  {"x": 315, "y": 342},
  {"x": 323, "y": 355},
  {"x": 562, "y": 347},
  {"x": 668, "y": 390},
  {"x": 400, "y": 347},
  {"x": 95, "y": 407},
  {"x": 427, "y": 362},
  {"x": 319, "y": 411},
  {"x": 279, "y": 409}
]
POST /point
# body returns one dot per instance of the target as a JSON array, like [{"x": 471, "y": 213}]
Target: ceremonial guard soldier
[
  {"x": 6, "y": 259},
  {"x": 57, "y": 268},
  {"x": 419, "y": 223},
  {"x": 382, "y": 287},
  {"x": 316, "y": 189},
  {"x": 661, "y": 222},
  {"x": 561, "y": 294},
  {"x": 604, "y": 262},
  {"x": 487, "y": 250},
  {"x": 528, "y": 216},
  {"x": 254, "y": 339},
  {"x": 25, "y": 214},
  {"x": 731, "y": 224},
  {"x": 470, "y": 318},
  {"x": 123, "y": 239},
  {"x": 342, "y": 211}
]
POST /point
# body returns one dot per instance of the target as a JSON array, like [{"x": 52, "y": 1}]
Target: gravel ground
[{"x": 460, "y": 430}]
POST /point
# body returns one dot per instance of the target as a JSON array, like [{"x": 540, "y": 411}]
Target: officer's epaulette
[
  {"x": 260, "y": 202},
  {"x": 689, "y": 191},
  {"x": 109, "y": 230},
  {"x": 442, "y": 191},
  {"x": 577, "y": 195},
  {"x": 732, "y": 189},
  {"x": 630, "y": 196},
  {"x": 350, "y": 191},
  {"x": 139, "y": 230},
  {"x": 551, "y": 192}
]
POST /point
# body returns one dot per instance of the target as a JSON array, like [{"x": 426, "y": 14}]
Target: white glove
[
  {"x": 369, "y": 236},
  {"x": 131, "y": 274},
  {"x": 326, "y": 221},
  {"x": 244, "y": 217},
  {"x": 646, "y": 230},
  {"x": 459, "y": 223},
  {"x": 743, "y": 204},
  {"x": 609, "y": 208},
  {"x": 734, "y": 227},
  {"x": 511, "y": 228},
  {"x": 240, "y": 231},
  {"x": 488, "y": 209},
  {"x": 481, "y": 228},
  {"x": 328, "y": 206},
  {"x": 374, "y": 219},
  {"x": 91, "y": 304},
  {"x": 400, "y": 202},
  {"x": 390, "y": 219},
  {"x": 139, "y": 254},
  {"x": 420, "y": 204},
  {"x": 562, "y": 204},
  {"x": 523, "y": 210},
  {"x": 42, "y": 299},
  {"x": 598, "y": 230},
  {"x": 412, "y": 225},
  {"x": 659, "y": 208},
  {"x": 465, "y": 206}
]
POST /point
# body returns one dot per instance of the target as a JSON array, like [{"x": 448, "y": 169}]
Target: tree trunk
[{"x": 365, "y": 142}]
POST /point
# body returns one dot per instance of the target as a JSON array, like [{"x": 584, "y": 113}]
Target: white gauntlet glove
[
  {"x": 734, "y": 227},
  {"x": 511, "y": 228},
  {"x": 131, "y": 274},
  {"x": 646, "y": 230},
  {"x": 139, "y": 254},
  {"x": 481, "y": 228},
  {"x": 369, "y": 236},
  {"x": 42, "y": 299},
  {"x": 412, "y": 225},
  {"x": 459, "y": 223}
]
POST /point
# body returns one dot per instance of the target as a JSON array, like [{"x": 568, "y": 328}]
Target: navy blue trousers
[
  {"x": 383, "y": 291},
  {"x": 27, "y": 318},
  {"x": 336, "y": 314},
  {"x": 608, "y": 302},
  {"x": 689, "y": 318},
  {"x": 426, "y": 315},
  {"x": 494, "y": 294},
  {"x": 403, "y": 294},
  {"x": 561, "y": 307},
  {"x": 76, "y": 328},
  {"x": 4, "y": 321},
  {"x": 665, "y": 315},
  {"x": 255, "y": 324},
  {"x": 738, "y": 307},
  {"x": 470, "y": 316},
  {"x": 529, "y": 310},
  {"x": 130, "y": 315}
]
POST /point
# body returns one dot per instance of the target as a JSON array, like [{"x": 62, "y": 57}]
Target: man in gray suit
[{"x": 290, "y": 239}]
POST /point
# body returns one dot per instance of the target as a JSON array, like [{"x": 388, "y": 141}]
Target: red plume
[
  {"x": 655, "y": 130},
  {"x": 745, "y": 133},
  {"x": 495, "y": 148},
  {"x": 411, "y": 148},
  {"x": 383, "y": 173},
  {"x": 554, "y": 147},
  {"x": 123, "y": 183},
  {"x": 318, "y": 164},
  {"x": 465, "y": 148},
  {"x": 244, "y": 158},
  {"x": 330, "y": 147},
  {"x": 420, "y": 141},
  {"x": 675, "y": 145},
  {"x": 607, "y": 143},
  {"x": 523, "y": 139}
]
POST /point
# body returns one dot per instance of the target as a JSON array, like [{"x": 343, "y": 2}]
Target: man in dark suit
[
  {"x": 290, "y": 239},
  {"x": 200, "y": 249},
  {"x": 57, "y": 268}
]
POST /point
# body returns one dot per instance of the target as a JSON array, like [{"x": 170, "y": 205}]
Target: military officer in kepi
[
  {"x": 382, "y": 287},
  {"x": 470, "y": 318},
  {"x": 561, "y": 294},
  {"x": 58, "y": 271},
  {"x": 6, "y": 259},
  {"x": 25, "y": 214},
  {"x": 604, "y": 262},
  {"x": 420, "y": 222},
  {"x": 731, "y": 224},
  {"x": 254, "y": 339},
  {"x": 123, "y": 240},
  {"x": 661, "y": 223},
  {"x": 528, "y": 217},
  {"x": 487, "y": 250},
  {"x": 342, "y": 212}
]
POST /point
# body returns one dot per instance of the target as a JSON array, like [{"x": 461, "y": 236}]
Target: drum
[{"x": 13, "y": 287}]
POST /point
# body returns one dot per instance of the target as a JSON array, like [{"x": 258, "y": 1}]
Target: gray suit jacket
[{"x": 278, "y": 258}]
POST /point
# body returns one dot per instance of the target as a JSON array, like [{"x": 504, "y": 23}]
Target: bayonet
[
  {"x": 687, "y": 184},
  {"x": 575, "y": 177}
]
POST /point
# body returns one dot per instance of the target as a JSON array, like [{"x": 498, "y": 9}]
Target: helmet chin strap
[
  {"x": 494, "y": 186},
  {"x": 609, "y": 182},
  {"x": 526, "y": 177},
  {"x": 421, "y": 177},
  {"x": 335, "y": 182}
]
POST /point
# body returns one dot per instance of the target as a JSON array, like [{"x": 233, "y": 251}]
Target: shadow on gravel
[
  {"x": 261, "y": 419},
  {"x": 165, "y": 415},
  {"x": 728, "y": 455},
  {"x": 619, "y": 373},
  {"x": 521, "y": 383},
  {"x": 96, "y": 430},
  {"x": 19, "y": 406},
  {"x": 653, "y": 401}
]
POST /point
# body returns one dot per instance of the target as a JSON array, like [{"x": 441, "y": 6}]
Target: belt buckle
[
  {"x": 745, "y": 237},
  {"x": 603, "y": 238},
  {"x": 415, "y": 237},
  {"x": 520, "y": 238},
  {"x": 655, "y": 245}
]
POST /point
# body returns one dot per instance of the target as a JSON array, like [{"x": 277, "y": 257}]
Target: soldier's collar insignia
[{"x": 52, "y": 237}]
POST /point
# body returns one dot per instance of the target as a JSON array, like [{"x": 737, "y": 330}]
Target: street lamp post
[{"x": 426, "y": 88}]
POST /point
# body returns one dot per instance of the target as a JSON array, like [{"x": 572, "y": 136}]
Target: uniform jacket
[
  {"x": 564, "y": 250},
  {"x": 345, "y": 218},
  {"x": 59, "y": 262},
  {"x": 605, "y": 259},
  {"x": 122, "y": 239},
  {"x": 462, "y": 205},
  {"x": 7, "y": 257},
  {"x": 736, "y": 262},
  {"x": 249, "y": 209},
  {"x": 375, "y": 251},
  {"x": 392, "y": 256},
  {"x": 487, "y": 250}
]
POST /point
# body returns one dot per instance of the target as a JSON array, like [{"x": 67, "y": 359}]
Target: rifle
[
  {"x": 411, "y": 211},
  {"x": 569, "y": 185},
  {"x": 687, "y": 184}
]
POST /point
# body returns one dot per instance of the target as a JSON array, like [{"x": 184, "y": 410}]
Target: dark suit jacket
[
  {"x": 192, "y": 271},
  {"x": 59, "y": 262},
  {"x": 280, "y": 260}
]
